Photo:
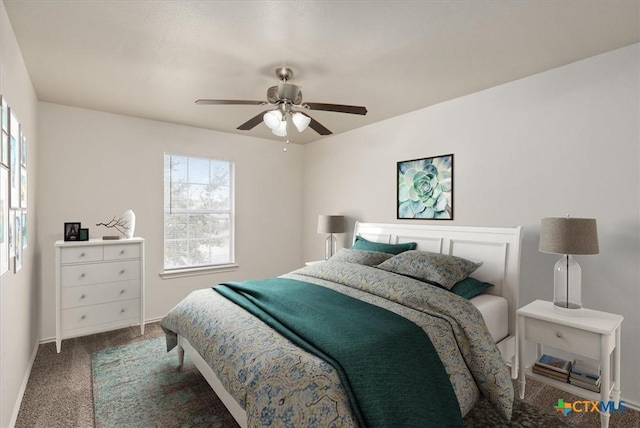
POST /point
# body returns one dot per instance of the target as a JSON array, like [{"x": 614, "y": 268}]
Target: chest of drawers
[{"x": 99, "y": 286}]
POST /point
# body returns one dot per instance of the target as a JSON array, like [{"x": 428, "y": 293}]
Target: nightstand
[{"x": 592, "y": 334}]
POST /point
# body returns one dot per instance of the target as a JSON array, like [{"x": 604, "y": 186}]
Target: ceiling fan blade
[
  {"x": 251, "y": 123},
  {"x": 339, "y": 108},
  {"x": 317, "y": 126},
  {"x": 230, "y": 102}
]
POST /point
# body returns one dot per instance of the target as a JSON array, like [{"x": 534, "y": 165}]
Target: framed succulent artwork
[{"x": 425, "y": 188}]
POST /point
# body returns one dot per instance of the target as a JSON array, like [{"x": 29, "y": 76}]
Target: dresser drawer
[
  {"x": 84, "y": 295},
  {"x": 80, "y": 254},
  {"x": 87, "y": 316},
  {"x": 121, "y": 251},
  {"x": 562, "y": 337},
  {"x": 96, "y": 273}
]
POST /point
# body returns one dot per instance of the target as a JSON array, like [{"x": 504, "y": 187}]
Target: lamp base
[
  {"x": 330, "y": 245},
  {"x": 571, "y": 309},
  {"x": 567, "y": 293}
]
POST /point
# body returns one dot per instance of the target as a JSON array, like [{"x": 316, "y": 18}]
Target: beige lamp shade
[
  {"x": 565, "y": 235},
  {"x": 331, "y": 224}
]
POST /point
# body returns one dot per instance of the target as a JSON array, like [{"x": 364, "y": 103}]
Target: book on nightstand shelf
[
  {"x": 586, "y": 368},
  {"x": 553, "y": 374},
  {"x": 585, "y": 374},
  {"x": 593, "y": 386},
  {"x": 554, "y": 363}
]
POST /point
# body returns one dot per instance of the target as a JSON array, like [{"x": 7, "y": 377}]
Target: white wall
[
  {"x": 96, "y": 165},
  {"x": 18, "y": 291},
  {"x": 563, "y": 141}
]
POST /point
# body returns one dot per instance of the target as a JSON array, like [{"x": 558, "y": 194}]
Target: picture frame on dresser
[
  {"x": 83, "y": 235},
  {"x": 71, "y": 231}
]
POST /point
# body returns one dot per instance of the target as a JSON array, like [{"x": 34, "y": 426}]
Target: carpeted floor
[{"x": 59, "y": 392}]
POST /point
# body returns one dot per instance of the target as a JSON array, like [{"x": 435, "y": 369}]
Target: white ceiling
[{"x": 153, "y": 59}]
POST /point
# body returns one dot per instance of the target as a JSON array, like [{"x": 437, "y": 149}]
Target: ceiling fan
[{"x": 287, "y": 99}]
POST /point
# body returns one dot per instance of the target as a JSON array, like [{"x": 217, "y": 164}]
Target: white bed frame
[{"x": 497, "y": 248}]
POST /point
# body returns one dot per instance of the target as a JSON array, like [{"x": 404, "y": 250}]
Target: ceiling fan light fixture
[
  {"x": 301, "y": 121},
  {"x": 281, "y": 98},
  {"x": 281, "y": 130},
  {"x": 273, "y": 119}
]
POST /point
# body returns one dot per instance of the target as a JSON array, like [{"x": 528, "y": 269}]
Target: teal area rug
[{"x": 139, "y": 385}]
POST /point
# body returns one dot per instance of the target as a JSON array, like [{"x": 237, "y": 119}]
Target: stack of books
[
  {"x": 552, "y": 367},
  {"x": 585, "y": 374}
]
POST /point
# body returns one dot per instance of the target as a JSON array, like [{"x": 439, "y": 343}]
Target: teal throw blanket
[{"x": 387, "y": 364}]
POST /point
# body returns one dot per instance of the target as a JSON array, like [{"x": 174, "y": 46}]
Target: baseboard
[
  {"x": 53, "y": 339},
  {"x": 631, "y": 405},
  {"x": 23, "y": 387}
]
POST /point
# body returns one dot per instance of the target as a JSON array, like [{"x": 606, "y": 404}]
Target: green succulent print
[{"x": 424, "y": 188}]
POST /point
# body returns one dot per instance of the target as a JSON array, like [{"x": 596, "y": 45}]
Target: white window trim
[{"x": 207, "y": 269}]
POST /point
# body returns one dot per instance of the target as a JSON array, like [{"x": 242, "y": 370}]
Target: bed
[{"x": 266, "y": 379}]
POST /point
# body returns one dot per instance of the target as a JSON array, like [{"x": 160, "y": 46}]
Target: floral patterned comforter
[{"x": 279, "y": 384}]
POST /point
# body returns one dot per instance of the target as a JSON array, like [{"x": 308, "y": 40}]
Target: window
[{"x": 198, "y": 212}]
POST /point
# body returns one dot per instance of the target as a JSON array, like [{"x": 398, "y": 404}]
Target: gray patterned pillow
[
  {"x": 361, "y": 257},
  {"x": 442, "y": 269}
]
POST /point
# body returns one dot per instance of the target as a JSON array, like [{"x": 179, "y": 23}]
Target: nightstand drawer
[{"x": 563, "y": 337}]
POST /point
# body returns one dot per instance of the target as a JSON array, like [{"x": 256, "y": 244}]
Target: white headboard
[{"x": 497, "y": 248}]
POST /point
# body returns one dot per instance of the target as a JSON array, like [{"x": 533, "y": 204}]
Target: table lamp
[
  {"x": 568, "y": 236},
  {"x": 331, "y": 224}
]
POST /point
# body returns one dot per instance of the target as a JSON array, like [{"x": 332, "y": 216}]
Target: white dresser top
[{"x": 97, "y": 242}]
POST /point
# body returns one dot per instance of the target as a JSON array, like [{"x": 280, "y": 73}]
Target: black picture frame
[
  {"x": 72, "y": 231},
  {"x": 83, "y": 235},
  {"x": 425, "y": 188}
]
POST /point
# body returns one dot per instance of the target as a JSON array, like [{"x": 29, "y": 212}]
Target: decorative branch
[{"x": 117, "y": 223}]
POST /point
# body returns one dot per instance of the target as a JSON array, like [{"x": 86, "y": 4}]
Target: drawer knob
[
  {"x": 122, "y": 271},
  {"x": 122, "y": 311},
  {"x": 122, "y": 292},
  {"x": 122, "y": 252},
  {"x": 82, "y": 275},
  {"x": 558, "y": 335},
  {"x": 82, "y": 317},
  {"x": 81, "y": 255},
  {"x": 82, "y": 297}
]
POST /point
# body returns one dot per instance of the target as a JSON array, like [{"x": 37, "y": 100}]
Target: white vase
[{"x": 129, "y": 219}]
